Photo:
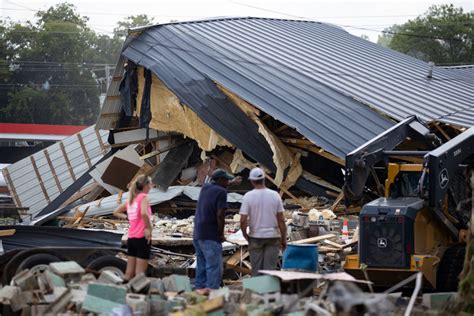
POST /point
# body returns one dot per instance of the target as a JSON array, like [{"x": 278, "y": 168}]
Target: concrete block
[
  {"x": 103, "y": 298},
  {"x": 157, "y": 305},
  {"x": 63, "y": 297},
  {"x": 71, "y": 271},
  {"x": 66, "y": 268},
  {"x": 25, "y": 280},
  {"x": 177, "y": 283},
  {"x": 156, "y": 286},
  {"x": 11, "y": 295},
  {"x": 109, "y": 277},
  {"x": 35, "y": 310},
  {"x": 139, "y": 283},
  {"x": 78, "y": 296},
  {"x": 138, "y": 303},
  {"x": 88, "y": 278},
  {"x": 54, "y": 280},
  {"x": 123, "y": 310},
  {"x": 220, "y": 292},
  {"x": 262, "y": 284}
]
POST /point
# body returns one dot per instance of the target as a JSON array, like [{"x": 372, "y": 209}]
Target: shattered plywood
[{"x": 169, "y": 115}]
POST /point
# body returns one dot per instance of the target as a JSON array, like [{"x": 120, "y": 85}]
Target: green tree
[
  {"x": 53, "y": 70},
  {"x": 131, "y": 22},
  {"x": 444, "y": 34},
  {"x": 49, "y": 78}
]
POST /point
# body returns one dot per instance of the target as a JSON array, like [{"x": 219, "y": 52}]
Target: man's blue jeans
[{"x": 209, "y": 264}]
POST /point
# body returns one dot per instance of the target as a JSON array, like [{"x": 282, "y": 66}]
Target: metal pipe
[
  {"x": 419, "y": 279},
  {"x": 405, "y": 153}
]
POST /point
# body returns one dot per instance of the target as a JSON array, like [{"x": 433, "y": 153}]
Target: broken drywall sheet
[
  {"x": 104, "y": 173},
  {"x": 169, "y": 115},
  {"x": 239, "y": 162}
]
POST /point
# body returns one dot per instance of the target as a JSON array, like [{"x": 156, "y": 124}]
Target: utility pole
[{"x": 107, "y": 76}]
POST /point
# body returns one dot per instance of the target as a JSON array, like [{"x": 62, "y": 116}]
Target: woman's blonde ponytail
[{"x": 137, "y": 186}]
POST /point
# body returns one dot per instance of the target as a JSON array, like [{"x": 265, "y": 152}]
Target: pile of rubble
[{"x": 66, "y": 288}]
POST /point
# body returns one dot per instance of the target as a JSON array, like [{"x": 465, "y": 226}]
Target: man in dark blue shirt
[{"x": 208, "y": 234}]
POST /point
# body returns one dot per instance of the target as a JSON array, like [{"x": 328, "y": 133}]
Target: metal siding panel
[{"x": 27, "y": 184}]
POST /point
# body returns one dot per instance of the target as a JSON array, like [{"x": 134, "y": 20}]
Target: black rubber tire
[
  {"x": 35, "y": 260},
  {"x": 450, "y": 267},
  {"x": 107, "y": 261}
]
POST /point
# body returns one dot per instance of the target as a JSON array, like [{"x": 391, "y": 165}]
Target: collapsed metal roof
[{"x": 258, "y": 60}]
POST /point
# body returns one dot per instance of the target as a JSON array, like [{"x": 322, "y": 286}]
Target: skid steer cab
[{"x": 420, "y": 222}]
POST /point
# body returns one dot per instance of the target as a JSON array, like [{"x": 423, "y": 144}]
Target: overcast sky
[{"x": 356, "y": 16}]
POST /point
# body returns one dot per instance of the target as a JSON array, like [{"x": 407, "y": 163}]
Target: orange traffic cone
[{"x": 345, "y": 230}]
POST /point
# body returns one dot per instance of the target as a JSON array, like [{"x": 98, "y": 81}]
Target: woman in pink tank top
[{"x": 138, "y": 212}]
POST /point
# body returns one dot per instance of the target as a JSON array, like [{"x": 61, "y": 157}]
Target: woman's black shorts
[{"x": 139, "y": 247}]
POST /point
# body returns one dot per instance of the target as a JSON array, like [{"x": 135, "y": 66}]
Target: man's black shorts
[{"x": 139, "y": 247}]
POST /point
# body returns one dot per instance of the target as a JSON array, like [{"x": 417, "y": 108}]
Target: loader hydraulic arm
[
  {"x": 360, "y": 162},
  {"x": 440, "y": 166}
]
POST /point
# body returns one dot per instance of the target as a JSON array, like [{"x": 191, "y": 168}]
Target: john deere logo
[
  {"x": 382, "y": 242},
  {"x": 443, "y": 178}
]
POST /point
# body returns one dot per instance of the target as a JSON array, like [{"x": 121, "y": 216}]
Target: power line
[
  {"x": 110, "y": 13},
  {"x": 341, "y": 25},
  {"x": 234, "y": 2},
  {"x": 57, "y": 63},
  {"x": 49, "y": 85}
]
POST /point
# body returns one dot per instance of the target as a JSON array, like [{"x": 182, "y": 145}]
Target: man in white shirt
[{"x": 262, "y": 211}]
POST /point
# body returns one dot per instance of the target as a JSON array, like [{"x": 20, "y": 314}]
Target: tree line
[{"x": 53, "y": 70}]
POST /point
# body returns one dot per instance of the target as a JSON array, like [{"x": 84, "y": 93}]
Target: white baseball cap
[{"x": 256, "y": 174}]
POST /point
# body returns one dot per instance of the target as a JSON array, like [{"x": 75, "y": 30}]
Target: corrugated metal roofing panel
[
  {"x": 27, "y": 188},
  {"x": 465, "y": 72},
  {"x": 291, "y": 69},
  {"x": 264, "y": 68}
]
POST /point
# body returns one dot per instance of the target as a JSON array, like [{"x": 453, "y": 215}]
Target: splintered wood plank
[
  {"x": 84, "y": 150},
  {"x": 313, "y": 240},
  {"x": 40, "y": 180},
  {"x": 53, "y": 171},
  {"x": 235, "y": 258},
  {"x": 68, "y": 162},
  {"x": 333, "y": 244}
]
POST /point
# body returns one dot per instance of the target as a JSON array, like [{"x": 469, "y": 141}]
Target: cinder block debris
[
  {"x": 103, "y": 298},
  {"x": 49, "y": 293},
  {"x": 262, "y": 284},
  {"x": 138, "y": 303},
  {"x": 25, "y": 280},
  {"x": 110, "y": 277},
  {"x": 69, "y": 270},
  {"x": 177, "y": 283},
  {"x": 12, "y": 295},
  {"x": 139, "y": 283}
]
